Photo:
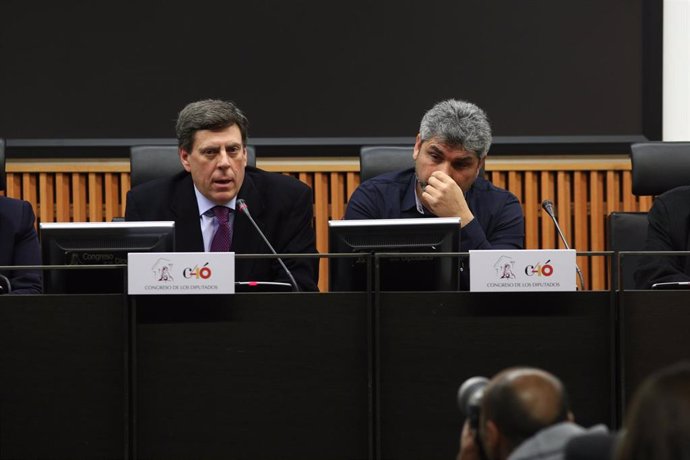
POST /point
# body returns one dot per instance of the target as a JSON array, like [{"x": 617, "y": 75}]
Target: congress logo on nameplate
[
  {"x": 523, "y": 270},
  {"x": 181, "y": 273}
]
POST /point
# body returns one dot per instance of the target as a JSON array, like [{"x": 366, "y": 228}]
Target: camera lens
[{"x": 470, "y": 395}]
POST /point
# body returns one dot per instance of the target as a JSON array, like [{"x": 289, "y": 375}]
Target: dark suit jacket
[
  {"x": 281, "y": 205},
  {"x": 19, "y": 245},
  {"x": 669, "y": 230}
]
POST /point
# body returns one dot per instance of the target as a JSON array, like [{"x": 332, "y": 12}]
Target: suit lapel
[{"x": 185, "y": 210}]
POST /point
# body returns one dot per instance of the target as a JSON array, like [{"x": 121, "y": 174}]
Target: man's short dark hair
[
  {"x": 211, "y": 114},
  {"x": 515, "y": 421}
]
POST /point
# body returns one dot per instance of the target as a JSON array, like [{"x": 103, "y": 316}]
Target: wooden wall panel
[
  {"x": 581, "y": 218},
  {"x": 531, "y": 209},
  {"x": 584, "y": 190}
]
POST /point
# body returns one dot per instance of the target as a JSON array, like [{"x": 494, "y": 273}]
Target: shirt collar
[
  {"x": 205, "y": 204},
  {"x": 410, "y": 199}
]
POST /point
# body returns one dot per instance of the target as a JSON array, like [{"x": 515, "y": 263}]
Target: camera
[{"x": 470, "y": 396}]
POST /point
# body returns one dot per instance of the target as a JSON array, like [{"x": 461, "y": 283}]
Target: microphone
[
  {"x": 245, "y": 209},
  {"x": 5, "y": 285},
  {"x": 547, "y": 206}
]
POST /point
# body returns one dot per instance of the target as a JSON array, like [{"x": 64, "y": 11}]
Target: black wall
[{"x": 83, "y": 69}]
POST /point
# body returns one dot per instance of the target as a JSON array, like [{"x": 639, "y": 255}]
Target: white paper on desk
[
  {"x": 156, "y": 273},
  {"x": 530, "y": 270}
]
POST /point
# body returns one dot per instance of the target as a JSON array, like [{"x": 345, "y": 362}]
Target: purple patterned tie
[{"x": 223, "y": 237}]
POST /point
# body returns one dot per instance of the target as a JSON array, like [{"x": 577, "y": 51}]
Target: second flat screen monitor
[
  {"x": 398, "y": 236},
  {"x": 98, "y": 243}
]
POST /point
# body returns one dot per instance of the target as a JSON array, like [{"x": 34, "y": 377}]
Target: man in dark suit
[
  {"x": 212, "y": 137},
  {"x": 19, "y": 246},
  {"x": 668, "y": 230}
]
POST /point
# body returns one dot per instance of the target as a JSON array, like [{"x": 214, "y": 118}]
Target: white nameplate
[
  {"x": 181, "y": 273},
  {"x": 522, "y": 270}
]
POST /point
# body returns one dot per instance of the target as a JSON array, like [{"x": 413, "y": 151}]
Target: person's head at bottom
[
  {"x": 657, "y": 425},
  {"x": 517, "y": 404}
]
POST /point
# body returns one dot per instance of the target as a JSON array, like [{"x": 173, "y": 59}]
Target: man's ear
[
  {"x": 417, "y": 147},
  {"x": 184, "y": 159}
]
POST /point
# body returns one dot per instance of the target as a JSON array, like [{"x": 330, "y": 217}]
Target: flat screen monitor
[
  {"x": 98, "y": 243},
  {"x": 371, "y": 236}
]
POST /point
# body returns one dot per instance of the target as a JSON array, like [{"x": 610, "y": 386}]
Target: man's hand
[
  {"x": 469, "y": 450},
  {"x": 444, "y": 197}
]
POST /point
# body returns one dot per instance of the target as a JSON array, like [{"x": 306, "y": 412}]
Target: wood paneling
[{"x": 584, "y": 190}]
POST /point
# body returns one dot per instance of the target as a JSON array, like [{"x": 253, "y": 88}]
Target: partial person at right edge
[
  {"x": 449, "y": 153},
  {"x": 668, "y": 230},
  {"x": 19, "y": 246}
]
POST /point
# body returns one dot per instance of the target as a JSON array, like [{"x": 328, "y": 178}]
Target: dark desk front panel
[
  {"x": 431, "y": 342},
  {"x": 655, "y": 333},
  {"x": 253, "y": 376},
  {"x": 63, "y": 377},
  {"x": 286, "y": 376}
]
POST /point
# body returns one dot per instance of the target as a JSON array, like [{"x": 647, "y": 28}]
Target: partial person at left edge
[
  {"x": 204, "y": 200},
  {"x": 19, "y": 246}
]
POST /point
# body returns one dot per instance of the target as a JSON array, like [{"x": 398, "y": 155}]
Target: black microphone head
[
  {"x": 242, "y": 205},
  {"x": 547, "y": 205}
]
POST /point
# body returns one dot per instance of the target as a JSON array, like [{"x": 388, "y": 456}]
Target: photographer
[{"x": 523, "y": 414}]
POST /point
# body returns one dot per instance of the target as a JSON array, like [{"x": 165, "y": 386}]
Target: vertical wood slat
[
  {"x": 645, "y": 203},
  {"x": 30, "y": 189},
  {"x": 125, "y": 185},
  {"x": 62, "y": 197},
  {"x": 337, "y": 194},
  {"x": 352, "y": 182},
  {"x": 629, "y": 203},
  {"x": 612, "y": 191},
  {"x": 548, "y": 232},
  {"x": 321, "y": 226},
  {"x": 13, "y": 185},
  {"x": 531, "y": 210},
  {"x": 498, "y": 179},
  {"x": 78, "y": 198},
  {"x": 46, "y": 196},
  {"x": 95, "y": 197},
  {"x": 597, "y": 229},
  {"x": 581, "y": 227},
  {"x": 112, "y": 206},
  {"x": 563, "y": 209}
]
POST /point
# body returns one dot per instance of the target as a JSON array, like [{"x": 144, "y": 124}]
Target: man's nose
[
  {"x": 223, "y": 159},
  {"x": 444, "y": 167}
]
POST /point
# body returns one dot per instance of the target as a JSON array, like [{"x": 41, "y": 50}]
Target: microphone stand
[
  {"x": 547, "y": 206},
  {"x": 245, "y": 209}
]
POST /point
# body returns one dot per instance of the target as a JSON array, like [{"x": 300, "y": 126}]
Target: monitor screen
[
  {"x": 371, "y": 236},
  {"x": 98, "y": 243}
]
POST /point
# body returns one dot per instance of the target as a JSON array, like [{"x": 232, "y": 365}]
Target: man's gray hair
[
  {"x": 458, "y": 124},
  {"x": 212, "y": 114}
]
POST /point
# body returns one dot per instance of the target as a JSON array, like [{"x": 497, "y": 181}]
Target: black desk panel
[
  {"x": 287, "y": 376},
  {"x": 655, "y": 333},
  {"x": 253, "y": 376},
  {"x": 63, "y": 377},
  {"x": 431, "y": 342}
]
